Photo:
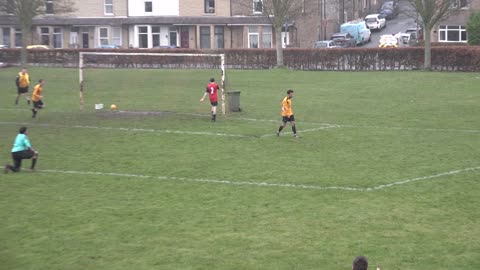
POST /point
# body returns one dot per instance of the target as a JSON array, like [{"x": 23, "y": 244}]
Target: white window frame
[
  {"x": 74, "y": 41},
  {"x": 56, "y": 34},
  {"x": 173, "y": 31},
  {"x": 217, "y": 35},
  {"x": 155, "y": 35},
  {"x": 102, "y": 38},
  {"x": 151, "y": 6},
  {"x": 18, "y": 37},
  {"x": 267, "y": 34},
  {"x": 461, "y": 4},
  {"x": 107, "y": 6},
  {"x": 200, "y": 27},
  {"x": 148, "y": 33},
  {"x": 255, "y": 5},
  {"x": 208, "y": 8},
  {"x": 116, "y": 40},
  {"x": 47, "y": 34},
  {"x": 251, "y": 34},
  {"x": 47, "y": 3},
  {"x": 7, "y": 38},
  {"x": 445, "y": 29}
]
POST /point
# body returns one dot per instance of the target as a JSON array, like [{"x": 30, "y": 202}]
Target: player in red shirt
[{"x": 212, "y": 91}]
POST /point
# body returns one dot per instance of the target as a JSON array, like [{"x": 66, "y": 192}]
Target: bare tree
[
  {"x": 26, "y": 10},
  {"x": 280, "y": 13},
  {"x": 432, "y": 12}
]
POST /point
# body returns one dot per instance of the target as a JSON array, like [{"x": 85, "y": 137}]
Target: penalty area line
[
  {"x": 265, "y": 184},
  {"x": 302, "y": 131},
  {"x": 130, "y": 129}
]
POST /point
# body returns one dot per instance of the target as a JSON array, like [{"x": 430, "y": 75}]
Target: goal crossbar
[{"x": 221, "y": 56}]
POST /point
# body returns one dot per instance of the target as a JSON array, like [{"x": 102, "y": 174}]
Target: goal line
[{"x": 108, "y": 62}]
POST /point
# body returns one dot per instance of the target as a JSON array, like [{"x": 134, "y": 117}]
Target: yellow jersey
[
  {"x": 37, "y": 92},
  {"x": 23, "y": 80},
  {"x": 286, "y": 107}
]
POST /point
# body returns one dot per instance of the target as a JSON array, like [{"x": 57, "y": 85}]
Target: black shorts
[
  {"x": 214, "y": 103},
  {"x": 25, "y": 154},
  {"x": 290, "y": 118},
  {"x": 38, "y": 104},
  {"x": 22, "y": 90}
]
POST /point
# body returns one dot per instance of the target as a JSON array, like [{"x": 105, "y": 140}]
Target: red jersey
[{"x": 212, "y": 89}]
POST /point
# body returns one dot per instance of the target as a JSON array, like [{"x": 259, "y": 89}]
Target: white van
[{"x": 358, "y": 29}]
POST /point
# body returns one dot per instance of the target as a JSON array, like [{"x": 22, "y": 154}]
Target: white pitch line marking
[
  {"x": 310, "y": 123},
  {"x": 305, "y": 123},
  {"x": 134, "y": 129},
  {"x": 264, "y": 184},
  {"x": 302, "y": 131}
]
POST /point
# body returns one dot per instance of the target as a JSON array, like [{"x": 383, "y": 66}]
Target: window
[
  {"x": 155, "y": 36},
  {"x": 452, "y": 33},
  {"x": 10, "y": 8},
  {"x": 219, "y": 37},
  {"x": 73, "y": 39},
  {"x": 253, "y": 37},
  {"x": 18, "y": 37},
  {"x": 205, "y": 37},
  {"x": 117, "y": 36},
  {"x": 108, "y": 6},
  {"x": 209, "y": 6},
  {"x": 257, "y": 6},
  {"x": 460, "y": 4},
  {"x": 6, "y": 39},
  {"x": 173, "y": 36},
  {"x": 267, "y": 37},
  {"x": 148, "y": 6},
  {"x": 49, "y": 6},
  {"x": 103, "y": 36},
  {"x": 143, "y": 36},
  {"x": 57, "y": 37},
  {"x": 45, "y": 35}
]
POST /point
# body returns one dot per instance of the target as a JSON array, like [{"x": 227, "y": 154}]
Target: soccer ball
[{"x": 113, "y": 107}]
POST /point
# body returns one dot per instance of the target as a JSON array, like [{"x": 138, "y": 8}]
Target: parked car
[
  {"x": 389, "y": 10},
  {"x": 405, "y": 39},
  {"x": 165, "y": 47},
  {"x": 344, "y": 40},
  {"x": 3, "y": 47},
  {"x": 375, "y": 21},
  {"x": 324, "y": 44},
  {"x": 109, "y": 46},
  {"x": 358, "y": 29},
  {"x": 417, "y": 33},
  {"x": 44, "y": 47},
  {"x": 388, "y": 41}
]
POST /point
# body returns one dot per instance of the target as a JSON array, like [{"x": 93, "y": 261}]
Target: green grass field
[{"x": 387, "y": 166}]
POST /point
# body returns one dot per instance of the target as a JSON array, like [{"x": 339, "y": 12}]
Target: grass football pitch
[{"x": 387, "y": 166}]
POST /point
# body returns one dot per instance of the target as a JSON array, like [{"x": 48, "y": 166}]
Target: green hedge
[{"x": 451, "y": 58}]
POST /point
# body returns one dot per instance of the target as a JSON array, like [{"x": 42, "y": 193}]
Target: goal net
[{"x": 148, "y": 81}]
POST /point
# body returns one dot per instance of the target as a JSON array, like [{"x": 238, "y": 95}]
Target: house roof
[{"x": 171, "y": 20}]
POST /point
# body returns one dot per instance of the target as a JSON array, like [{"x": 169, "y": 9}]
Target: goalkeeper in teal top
[{"x": 22, "y": 149}]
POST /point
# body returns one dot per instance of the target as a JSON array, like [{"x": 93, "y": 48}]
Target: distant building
[
  {"x": 454, "y": 28},
  {"x": 201, "y": 24}
]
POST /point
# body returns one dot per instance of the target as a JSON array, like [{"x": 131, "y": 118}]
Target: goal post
[{"x": 84, "y": 55}]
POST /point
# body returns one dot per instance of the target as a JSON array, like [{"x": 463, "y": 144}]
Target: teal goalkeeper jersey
[{"x": 21, "y": 143}]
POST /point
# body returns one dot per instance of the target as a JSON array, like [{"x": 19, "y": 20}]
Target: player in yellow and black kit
[
  {"x": 37, "y": 98},
  {"x": 287, "y": 114},
  {"x": 23, "y": 82}
]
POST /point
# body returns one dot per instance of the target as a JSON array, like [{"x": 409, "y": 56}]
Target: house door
[
  {"x": 184, "y": 38},
  {"x": 85, "y": 39}
]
